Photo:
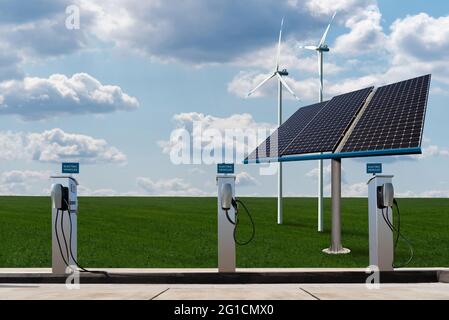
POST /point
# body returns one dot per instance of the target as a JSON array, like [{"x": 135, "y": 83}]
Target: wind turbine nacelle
[
  {"x": 284, "y": 72},
  {"x": 324, "y": 48}
]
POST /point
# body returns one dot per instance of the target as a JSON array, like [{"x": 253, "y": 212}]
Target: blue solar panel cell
[
  {"x": 394, "y": 118},
  {"x": 287, "y": 131},
  {"x": 327, "y": 129}
]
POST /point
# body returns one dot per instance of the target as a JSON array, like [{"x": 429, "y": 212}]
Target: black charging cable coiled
[
  {"x": 68, "y": 245},
  {"x": 398, "y": 234},
  {"x": 235, "y": 204}
]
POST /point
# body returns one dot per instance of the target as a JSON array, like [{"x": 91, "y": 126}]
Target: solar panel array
[
  {"x": 287, "y": 131},
  {"x": 324, "y": 132},
  {"x": 394, "y": 118}
]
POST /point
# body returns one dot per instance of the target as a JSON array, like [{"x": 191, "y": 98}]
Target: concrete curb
[{"x": 331, "y": 277}]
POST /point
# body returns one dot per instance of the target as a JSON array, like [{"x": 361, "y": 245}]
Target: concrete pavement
[{"x": 224, "y": 292}]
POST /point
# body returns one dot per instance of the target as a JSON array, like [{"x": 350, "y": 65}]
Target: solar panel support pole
[
  {"x": 280, "y": 163},
  {"x": 320, "y": 162},
  {"x": 336, "y": 247}
]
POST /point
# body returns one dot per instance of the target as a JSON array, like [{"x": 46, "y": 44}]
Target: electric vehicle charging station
[
  {"x": 64, "y": 200},
  {"x": 380, "y": 210},
  {"x": 226, "y": 242}
]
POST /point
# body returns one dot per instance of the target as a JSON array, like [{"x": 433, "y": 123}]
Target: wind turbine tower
[
  {"x": 279, "y": 74},
  {"x": 320, "y": 49}
]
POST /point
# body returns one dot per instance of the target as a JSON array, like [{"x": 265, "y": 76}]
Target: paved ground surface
[
  {"x": 238, "y": 291},
  {"x": 225, "y": 292}
]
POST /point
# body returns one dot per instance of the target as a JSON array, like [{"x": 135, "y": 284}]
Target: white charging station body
[
  {"x": 58, "y": 264},
  {"x": 381, "y": 248},
  {"x": 226, "y": 243}
]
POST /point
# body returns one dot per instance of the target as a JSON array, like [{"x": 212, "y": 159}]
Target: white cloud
[
  {"x": 245, "y": 81},
  {"x": 36, "y": 31},
  {"x": 16, "y": 176},
  {"x": 327, "y": 171},
  {"x": 161, "y": 30},
  {"x": 314, "y": 172},
  {"x": 434, "y": 151},
  {"x": 39, "y": 28},
  {"x": 406, "y": 194},
  {"x": 225, "y": 31},
  {"x": 292, "y": 57},
  {"x": 435, "y": 194},
  {"x": 244, "y": 179},
  {"x": 416, "y": 45},
  {"x": 12, "y": 145},
  {"x": 420, "y": 38},
  {"x": 18, "y": 182},
  {"x": 328, "y": 7},
  {"x": 356, "y": 190},
  {"x": 365, "y": 34},
  {"x": 56, "y": 146},
  {"x": 174, "y": 186},
  {"x": 239, "y": 121},
  {"x": 9, "y": 63},
  {"x": 359, "y": 189},
  {"x": 201, "y": 126},
  {"x": 426, "y": 194},
  {"x": 85, "y": 191},
  {"x": 439, "y": 90},
  {"x": 419, "y": 43},
  {"x": 38, "y": 98},
  {"x": 196, "y": 171}
]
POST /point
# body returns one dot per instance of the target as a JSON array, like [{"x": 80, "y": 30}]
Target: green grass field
[{"x": 182, "y": 232}]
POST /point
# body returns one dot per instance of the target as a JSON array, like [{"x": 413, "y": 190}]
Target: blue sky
[{"x": 107, "y": 94}]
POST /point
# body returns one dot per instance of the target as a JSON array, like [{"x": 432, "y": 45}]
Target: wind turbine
[
  {"x": 281, "y": 83},
  {"x": 320, "y": 48}
]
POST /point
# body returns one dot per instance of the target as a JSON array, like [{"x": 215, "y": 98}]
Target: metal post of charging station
[
  {"x": 381, "y": 251},
  {"x": 57, "y": 261},
  {"x": 226, "y": 243}
]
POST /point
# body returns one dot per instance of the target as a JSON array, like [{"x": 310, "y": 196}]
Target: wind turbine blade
[
  {"x": 323, "y": 38},
  {"x": 309, "y": 47},
  {"x": 261, "y": 84},
  {"x": 284, "y": 83},
  {"x": 279, "y": 45}
]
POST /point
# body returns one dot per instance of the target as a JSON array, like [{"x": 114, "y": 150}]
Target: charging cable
[
  {"x": 57, "y": 238},
  {"x": 398, "y": 234},
  {"x": 68, "y": 245},
  {"x": 235, "y": 204}
]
